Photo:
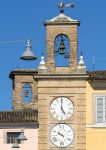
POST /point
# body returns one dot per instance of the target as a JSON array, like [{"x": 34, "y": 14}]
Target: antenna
[
  {"x": 93, "y": 63},
  {"x": 42, "y": 53}
]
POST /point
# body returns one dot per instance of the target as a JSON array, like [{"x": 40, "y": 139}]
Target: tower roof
[
  {"x": 23, "y": 72},
  {"x": 62, "y": 18}
]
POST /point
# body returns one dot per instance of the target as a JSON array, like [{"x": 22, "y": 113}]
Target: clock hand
[
  {"x": 62, "y": 106},
  {"x": 63, "y": 110},
  {"x": 61, "y": 134}
]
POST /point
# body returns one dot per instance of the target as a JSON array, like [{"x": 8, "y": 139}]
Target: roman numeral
[
  {"x": 69, "y": 139},
  {"x": 61, "y": 144},
  {"x": 54, "y": 139}
]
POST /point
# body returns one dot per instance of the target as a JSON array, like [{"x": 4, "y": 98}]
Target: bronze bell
[
  {"x": 26, "y": 93},
  {"x": 62, "y": 47},
  {"x": 66, "y": 55}
]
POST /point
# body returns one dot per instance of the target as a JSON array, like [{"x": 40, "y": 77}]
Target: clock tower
[{"x": 62, "y": 88}]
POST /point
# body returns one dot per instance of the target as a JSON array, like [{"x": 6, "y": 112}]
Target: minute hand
[{"x": 62, "y": 107}]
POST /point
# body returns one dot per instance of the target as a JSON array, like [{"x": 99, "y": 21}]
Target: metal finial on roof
[
  {"x": 81, "y": 68},
  {"x": 61, "y": 6},
  {"x": 42, "y": 53},
  {"x": 81, "y": 53},
  {"x": 42, "y": 62},
  {"x": 81, "y": 61}
]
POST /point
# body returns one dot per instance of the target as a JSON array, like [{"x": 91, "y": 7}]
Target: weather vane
[{"x": 62, "y": 4}]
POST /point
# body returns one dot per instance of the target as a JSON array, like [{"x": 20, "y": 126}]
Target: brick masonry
[
  {"x": 71, "y": 32},
  {"x": 55, "y": 86},
  {"x": 19, "y": 81}
]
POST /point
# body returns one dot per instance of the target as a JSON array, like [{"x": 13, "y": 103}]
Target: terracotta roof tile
[
  {"x": 27, "y": 115},
  {"x": 101, "y": 74}
]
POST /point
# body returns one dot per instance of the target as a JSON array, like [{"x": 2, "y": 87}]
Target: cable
[
  {"x": 18, "y": 41},
  {"x": 6, "y": 42}
]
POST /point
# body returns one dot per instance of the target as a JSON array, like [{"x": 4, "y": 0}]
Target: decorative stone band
[{"x": 98, "y": 125}]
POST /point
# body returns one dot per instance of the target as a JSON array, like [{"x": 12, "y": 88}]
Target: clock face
[
  {"x": 62, "y": 135},
  {"x": 61, "y": 108}
]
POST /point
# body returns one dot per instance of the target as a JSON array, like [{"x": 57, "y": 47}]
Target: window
[
  {"x": 12, "y": 136},
  {"x": 27, "y": 93},
  {"x": 100, "y": 109}
]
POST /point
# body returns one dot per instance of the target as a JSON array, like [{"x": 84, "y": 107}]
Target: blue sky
[{"x": 23, "y": 19}]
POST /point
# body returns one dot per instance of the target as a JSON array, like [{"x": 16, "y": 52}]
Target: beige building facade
[{"x": 96, "y": 111}]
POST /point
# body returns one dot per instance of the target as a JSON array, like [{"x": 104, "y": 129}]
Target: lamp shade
[
  {"x": 22, "y": 137},
  {"x": 15, "y": 145},
  {"x": 28, "y": 54}
]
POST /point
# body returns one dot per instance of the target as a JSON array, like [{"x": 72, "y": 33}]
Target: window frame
[
  {"x": 94, "y": 110},
  {"x": 12, "y": 139}
]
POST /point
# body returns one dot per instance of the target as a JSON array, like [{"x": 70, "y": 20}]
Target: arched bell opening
[
  {"x": 27, "y": 93},
  {"x": 61, "y": 50}
]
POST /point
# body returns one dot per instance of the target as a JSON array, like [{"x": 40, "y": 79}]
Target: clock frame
[
  {"x": 62, "y": 135},
  {"x": 61, "y": 108}
]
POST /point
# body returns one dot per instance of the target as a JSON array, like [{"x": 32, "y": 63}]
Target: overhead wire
[
  {"x": 40, "y": 37},
  {"x": 21, "y": 40},
  {"x": 16, "y": 41}
]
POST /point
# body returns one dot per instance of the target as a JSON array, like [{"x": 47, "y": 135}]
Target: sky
[{"x": 23, "y": 19}]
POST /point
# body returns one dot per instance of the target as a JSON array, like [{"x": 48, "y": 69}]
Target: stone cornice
[
  {"x": 23, "y": 72},
  {"x": 19, "y": 125},
  {"x": 61, "y": 77}
]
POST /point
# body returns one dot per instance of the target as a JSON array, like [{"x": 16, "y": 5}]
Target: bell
[
  {"x": 26, "y": 93},
  {"x": 66, "y": 55},
  {"x": 56, "y": 51},
  {"x": 62, "y": 47},
  {"x": 15, "y": 145},
  {"x": 28, "y": 54},
  {"x": 22, "y": 137}
]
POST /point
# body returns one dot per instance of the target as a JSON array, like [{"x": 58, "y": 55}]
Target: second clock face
[
  {"x": 62, "y": 135},
  {"x": 61, "y": 108}
]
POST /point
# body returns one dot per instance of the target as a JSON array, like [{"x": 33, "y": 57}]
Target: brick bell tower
[
  {"x": 62, "y": 29},
  {"x": 62, "y": 88}
]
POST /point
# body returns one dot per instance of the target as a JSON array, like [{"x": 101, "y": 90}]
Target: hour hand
[
  {"x": 63, "y": 110},
  {"x": 60, "y": 134}
]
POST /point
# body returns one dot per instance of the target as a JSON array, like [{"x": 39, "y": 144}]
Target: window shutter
[
  {"x": 99, "y": 110},
  {"x": 5, "y": 137},
  {"x": 105, "y": 108}
]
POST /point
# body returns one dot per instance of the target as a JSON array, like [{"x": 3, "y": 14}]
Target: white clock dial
[
  {"x": 61, "y": 108},
  {"x": 62, "y": 135}
]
